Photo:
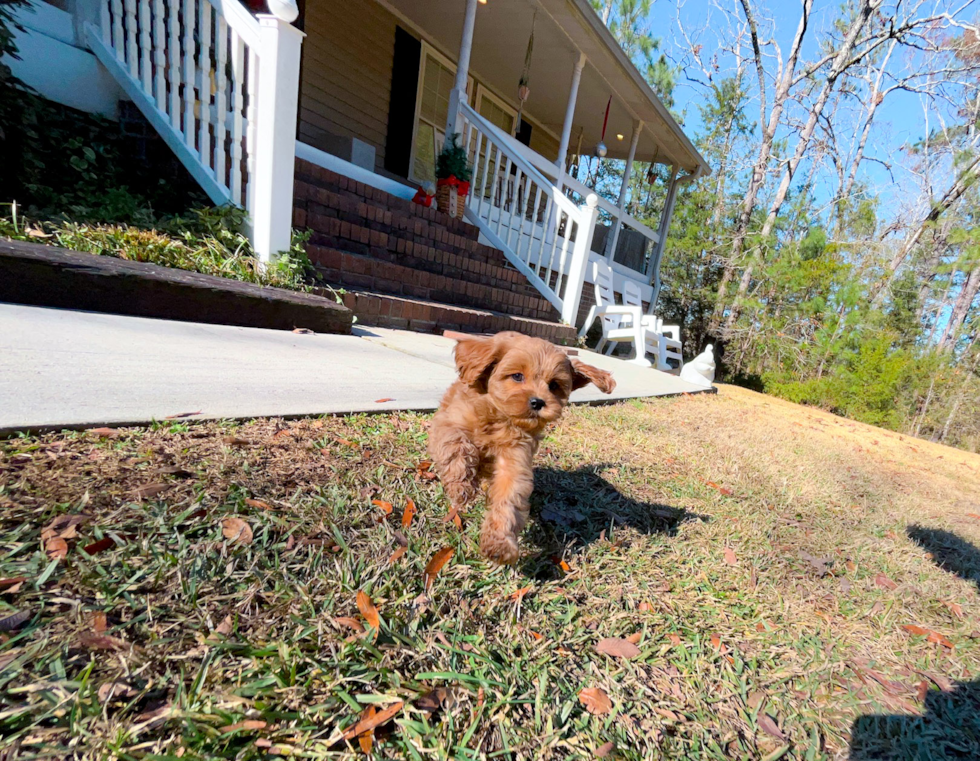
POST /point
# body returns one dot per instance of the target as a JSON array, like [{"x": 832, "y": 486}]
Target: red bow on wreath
[
  {"x": 422, "y": 198},
  {"x": 462, "y": 188}
]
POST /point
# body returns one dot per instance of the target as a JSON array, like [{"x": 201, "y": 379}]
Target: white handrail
[{"x": 240, "y": 19}]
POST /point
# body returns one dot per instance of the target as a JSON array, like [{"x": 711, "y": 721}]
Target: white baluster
[
  {"x": 159, "y": 55},
  {"x": 480, "y": 187},
  {"x": 190, "y": 98},
  {"x": 132, "y": 53},
  {"x": 503, "y": 175},
  {"x": 250, "y": 130},
  {"x": 204, "y": 65},
  {"x": 106, "y": 23},
  {"x": 173, "y": 56},
  {"x": 534, "y": 225},
  {"x": 146, "y": 48},
  {"x": 515, "y": 213},
  {"x": 238, "y": 75},
  {"x": 220, "y": 99},
  {"x": 118, "y": 41}
]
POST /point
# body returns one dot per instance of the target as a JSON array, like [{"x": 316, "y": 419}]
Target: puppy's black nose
[{"x": 536, "y": 403}]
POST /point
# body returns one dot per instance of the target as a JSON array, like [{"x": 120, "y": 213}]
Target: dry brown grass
[{"x": 765, "y": 557}]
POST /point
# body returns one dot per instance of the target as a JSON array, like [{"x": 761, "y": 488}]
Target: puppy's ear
[
  {"x": 583, "y": 375},
  {"x": 475, "y": 358}
]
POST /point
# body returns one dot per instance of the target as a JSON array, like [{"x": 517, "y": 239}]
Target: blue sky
[{"x": 900, "y": 119}]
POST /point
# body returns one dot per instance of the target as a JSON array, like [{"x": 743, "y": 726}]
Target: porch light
[{"x": 619, "y": 136}]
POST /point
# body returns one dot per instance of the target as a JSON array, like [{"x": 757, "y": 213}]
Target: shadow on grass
[
  {"x": 575, "y": 508},
  {"x": 949, "y": 552},
  {"x": 949, "y": 727}
]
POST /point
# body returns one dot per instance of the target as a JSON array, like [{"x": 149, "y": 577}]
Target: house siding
[{"x": 346, "y": 83}]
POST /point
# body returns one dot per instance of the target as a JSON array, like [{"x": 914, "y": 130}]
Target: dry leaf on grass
[
  {"x": 368, "y": 610},
  {"x": 387, "y": 507},
  {"x": 353, "y": 623},
  {"x": 101, "y": 545},
  {"x": 954, "y": 607},
  {"x": 376, "y": 720},
  {"x": 97, "y": 620},
  {"x": 148, "y": 490},
  {"x": 730, "y": 558},
  {"x": 921, "y": 690},
  {"x": 92, "y": 641},
  {"x": 225, "y": 627},
  {"x": 258, "y": 503},
  {"x": 770, "y": 727},
  {"x": 62, "y": 527},
  {"x": 520, "y": 593},
  {"x": 12, "y": 585},
  {"x": 929, "y": 634},
  {"x": 235, "y": 441},
  {"x": 617, "y": 648},
  {"x": 110, "y": 433},
  {"x": 116, "y": 691},
  {"x": 884, "y": 582},
  {"x": 436, "y": 564},
  {"x": 247, "y": 724},
  {"x": 605, "y": 749},
  {"x": 595, "y": 700},
  {"x": 366, "y": 740},
  {"x": 396, "y": 555},
  {"x": 236, "y": 530},
  {"x": 723, "y": 490},
  {"x": 433, "y": 700},
  {"x": 14, "y": 621},
  {"x": 56, "y": 548},
  {"x": 674, "y": 639},
  {"x": 635, "y": 638},
  {"x": 408, "y": 514}
]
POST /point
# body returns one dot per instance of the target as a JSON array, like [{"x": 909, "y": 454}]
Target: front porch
[{"x": 371, "y": 91}]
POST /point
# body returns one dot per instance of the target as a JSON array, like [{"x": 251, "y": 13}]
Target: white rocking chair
[
  {"x": 662, "y": 341},
  {"x": 620, "y": 322}
]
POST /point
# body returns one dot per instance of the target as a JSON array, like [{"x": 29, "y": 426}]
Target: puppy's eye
[
  {"x": 554, "y": 387},
  {"x": 517, "y": 377}
]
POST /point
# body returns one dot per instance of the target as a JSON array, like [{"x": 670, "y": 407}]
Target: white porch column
[
  {"x": 566, "y": 129},
  {"x": 623, "y": 189},
  {"x": 275, "y": 142},
  {"x": 653, "y": 268},
  {"x": 458, "y": 95}
]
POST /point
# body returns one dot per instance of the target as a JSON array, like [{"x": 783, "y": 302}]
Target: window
[
  {"x": 495, "y": 110},
  {"x": 436, "y": 78}
]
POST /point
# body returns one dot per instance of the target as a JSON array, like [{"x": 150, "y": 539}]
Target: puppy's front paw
[{"x": 499, "y": 547}]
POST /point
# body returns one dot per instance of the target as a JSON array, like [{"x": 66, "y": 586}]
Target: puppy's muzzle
[{"x": 536, "y": 403}]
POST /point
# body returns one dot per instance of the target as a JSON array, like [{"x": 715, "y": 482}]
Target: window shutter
[{"x": 401, "y": 107}]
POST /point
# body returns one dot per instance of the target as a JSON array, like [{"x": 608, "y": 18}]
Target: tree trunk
[{"x": 962, "y": 306}]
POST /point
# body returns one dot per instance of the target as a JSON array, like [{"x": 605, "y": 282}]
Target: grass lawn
[{"x": 777, "y": 583}]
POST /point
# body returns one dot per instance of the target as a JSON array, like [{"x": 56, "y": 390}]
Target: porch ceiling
[{"x": 564, "y": 27}]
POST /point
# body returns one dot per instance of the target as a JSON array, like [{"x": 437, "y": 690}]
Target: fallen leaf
[
  {"x": 303, "y": 331},
  {"x": 235, "y": 441},
  {"x": 366, "y": 740},
  {"x": 939, "y": 639},
  {"x": 97, "y": 620},
  {"x": 617, "y": 648},
  {"x": 249, "y": 724},
  {"x": 14, "y": 621},
  {"x": 921, "y": 690},
  {"x": 605, "y": 749},
  {"x": 401, "y": 538},
  {"x": 537, "y": 636},
  {"x": 258, "y": 503},
  {"x": 396, "y": 555},
  {"x": 117, "y": 690},
  {"x": 12, "y": 585},
  {"x": 236, "y": 530},
  {"x": 916, "y": 630},
  {"x": 225, "y": 627},
  {"x": 368, "y": 725},
  {"x": 382, "y": 401},
  {"x": 436, "y": 564},
  {"x": 100, "y": 546},
  {"x": 368, "y": 610},
  {"x": 520, "y": 593},
  {"x": 721, "y": 489},
  {"x": 353, "y": 623},
  {"x": 172, "y": 470},
  {"x": 433, "y": 700},
  {"x": 408, "y": 514},
  {"x": 182, "y": 414},
  {"x": 595, "y": 700},
  {"x": 56, "y": 548},
  {"x": 884, "y": 582},
  {"x": 730, "y": 558},
  {"x": 35, "y": 233},
  {"x": 851, "y": 566},
  {"x": 149, "y": 490},
  {"x": 954, "y": 607},
  {"x": 387, "y": 507},
  {"x": 102, "y": 642},
  {"x": 62, "y": 527},
  {"x": 770, "y": 727},
  {"x": 674, "y": 639},
  {"x": 644, "y": 607},
  {"x": 105, "y": 432}
]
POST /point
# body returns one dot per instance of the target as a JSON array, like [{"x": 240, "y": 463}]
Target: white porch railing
[
  {"x": 221, "y": 87},
  {"x": 522, "y": 212}
]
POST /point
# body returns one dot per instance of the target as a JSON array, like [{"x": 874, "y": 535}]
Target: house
[{"x": 329, "y": 114}]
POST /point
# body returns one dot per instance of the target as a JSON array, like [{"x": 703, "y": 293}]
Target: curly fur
[{"x": 510, "y": 388}]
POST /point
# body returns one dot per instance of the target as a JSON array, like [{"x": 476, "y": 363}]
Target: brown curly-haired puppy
[{"x": 490, "y": 421}]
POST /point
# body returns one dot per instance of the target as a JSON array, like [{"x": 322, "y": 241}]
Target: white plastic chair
[
  {"x": 620, "y": 322},
  {"x": 662, "y": 341}
]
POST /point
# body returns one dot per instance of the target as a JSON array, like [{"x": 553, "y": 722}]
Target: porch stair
[{"x": 403, "y": 265}]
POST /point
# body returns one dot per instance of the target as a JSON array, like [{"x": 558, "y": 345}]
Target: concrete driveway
[{"x": 61, "y": 368}]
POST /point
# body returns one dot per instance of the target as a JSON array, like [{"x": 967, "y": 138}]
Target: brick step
[
  {"x": 398, "y": 276},
  {"x": 423, "y": 316}
]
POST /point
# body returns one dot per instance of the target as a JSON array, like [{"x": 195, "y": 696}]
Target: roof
[{"x": 562, "y": 30}]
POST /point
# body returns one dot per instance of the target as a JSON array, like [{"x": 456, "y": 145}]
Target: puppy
[{"x": 491, "y": 420}]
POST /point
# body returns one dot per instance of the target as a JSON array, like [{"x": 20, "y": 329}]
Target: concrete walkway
[{"x": 80, "y": 369}]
